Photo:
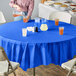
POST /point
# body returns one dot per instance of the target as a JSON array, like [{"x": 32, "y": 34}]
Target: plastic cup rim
[
  {"x": 56, "y": 19},
  {"x": 61, "y": 27}
]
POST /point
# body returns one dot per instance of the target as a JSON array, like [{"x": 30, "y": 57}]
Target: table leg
[
  {"x": 71, "y": 20},
  {"x": 33, "y": 71}
]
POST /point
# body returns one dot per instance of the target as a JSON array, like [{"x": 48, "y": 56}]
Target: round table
[{"x": 40, "y": 48}]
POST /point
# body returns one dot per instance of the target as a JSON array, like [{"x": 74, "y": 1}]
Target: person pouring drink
[{"x": 24, "y": 6}]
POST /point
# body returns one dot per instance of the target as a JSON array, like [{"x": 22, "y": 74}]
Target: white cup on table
[
  {"x": 31, "y": 29},
  {"x": 24, "y": 32},
  {"x": 37, "y": 20}
]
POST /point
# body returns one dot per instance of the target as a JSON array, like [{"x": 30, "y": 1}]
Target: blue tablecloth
[{"x": 40, "y": 48}]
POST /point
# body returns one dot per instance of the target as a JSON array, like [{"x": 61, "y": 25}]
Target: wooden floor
[{"x": 50, "y": 70}]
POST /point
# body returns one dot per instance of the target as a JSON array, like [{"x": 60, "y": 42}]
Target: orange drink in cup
[
  {"x": 56, "y": 22},
  {"x": 15, "y": 15},
  {"x": 42, "y": 1},
  {"x": 24, "y": 19},
  {"x": 61, "y": 30}
]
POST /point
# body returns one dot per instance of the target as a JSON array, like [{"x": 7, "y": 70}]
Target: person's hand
[{"x": 17, "y": 7}]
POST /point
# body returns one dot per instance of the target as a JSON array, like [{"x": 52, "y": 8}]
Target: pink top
[{"x": 25, "y": 5}]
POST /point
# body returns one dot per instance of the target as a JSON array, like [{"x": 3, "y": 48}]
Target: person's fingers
[
  {"x": 15, "y": 6},
  {"x": 18, "y": 9}
]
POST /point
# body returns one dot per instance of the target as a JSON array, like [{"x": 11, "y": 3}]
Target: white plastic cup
[
  {"x": 24, "y": 32},
  {"x": 37, "y": 20},
  {"x": 31, "y": 29}
]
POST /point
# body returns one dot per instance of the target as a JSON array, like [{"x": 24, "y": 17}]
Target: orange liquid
[
  {"x": 42, "y": 1},
  {"x": 24, "y": 20},
  {"x": 56, "y": 22},
  {"x": 61, "y": 31},
  {"x": 15, "y": 15}
]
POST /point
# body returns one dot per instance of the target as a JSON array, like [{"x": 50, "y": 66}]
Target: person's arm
[
  {"x": 30, "y": 8},
  {"x": 12, "y": 4}
]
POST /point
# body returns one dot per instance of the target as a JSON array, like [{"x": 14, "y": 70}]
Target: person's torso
[{"x": 23, "y": 3}]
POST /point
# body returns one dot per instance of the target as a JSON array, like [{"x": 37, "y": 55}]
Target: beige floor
[{"x": 50, "y": 70}]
